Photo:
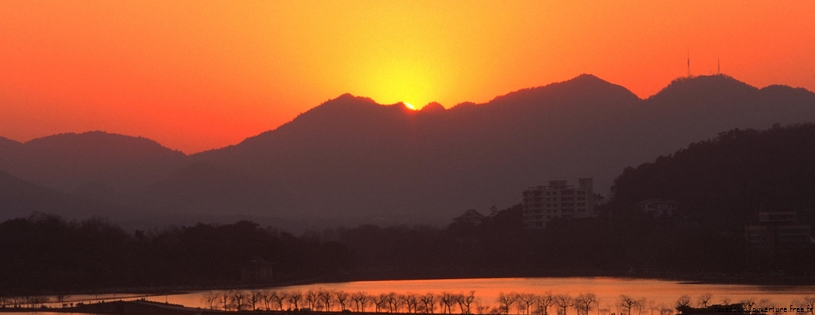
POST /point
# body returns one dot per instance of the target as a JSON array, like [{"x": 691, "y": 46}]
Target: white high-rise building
[{"x": 557, "y": 200}]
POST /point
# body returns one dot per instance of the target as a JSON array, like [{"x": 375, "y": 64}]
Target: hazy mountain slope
[
  {"x": 19, "y": 198},
  {"x": 205, "y": 190},
  {"x": 726, "y": 180},
  {"x": 695, "y": 109},
  {"x": 71, "y": 162},
  {"x": 8, "y": 149}
]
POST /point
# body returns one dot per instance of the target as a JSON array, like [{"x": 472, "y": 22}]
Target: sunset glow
[{"x": 202, "y": 75}]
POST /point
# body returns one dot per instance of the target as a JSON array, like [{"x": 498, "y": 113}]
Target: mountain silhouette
[
  {"x": 19, "y": 198},
  {"x": 71, "y": 161},
  {"x": 351, "y": 160}
]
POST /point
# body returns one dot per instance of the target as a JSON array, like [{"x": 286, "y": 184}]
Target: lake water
[{"x": 608, "y": 290}]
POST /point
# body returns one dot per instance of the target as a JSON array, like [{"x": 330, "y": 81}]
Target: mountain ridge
[{"x": 353, "y": 159}]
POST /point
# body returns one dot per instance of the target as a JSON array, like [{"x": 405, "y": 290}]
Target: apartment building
[{"x": 557, "y": 200}]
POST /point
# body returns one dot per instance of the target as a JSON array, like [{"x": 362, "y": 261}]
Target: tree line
[
  {"x": 322, "y": 300},
  {"x": 47, "y": 253}
]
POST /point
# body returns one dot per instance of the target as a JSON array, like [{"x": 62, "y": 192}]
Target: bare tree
[
  {"x": 311, "y": 299},
  {"x": 640, "y": 305},
  {"x": 665, "y": 310},
  {"x": 563, "y": 301},
  {"x": 224, "y": 298},
  {"x": 326, "y": 297},
  {"x": 254, "y": 297},
  {"x": 360, "y": 300},
  {"x": 506, "y": 301},
  {"x": 726, "y": 300},
  {"x": 380, "y": 301},
  {"x": 628, "y": 303},
  {"x": 239, "y": 299},
  {"x": 704, "y": 299},
  {"x": 465, "y": 301},
  {"x": 268, "y": 298},
  {"x": 544, "y": 301},
  {"x": 294, "y": 299},
  {"x": 747, "y": 303},
  {"x": 342, "y": 299},
  {"x": 527, "y": 301},
  {"x": 447, "y": 301},
  {"x": 278, "y": 298},
  {"x": 429, "y": 301},
  {"x": 393, "y": 301},
  {"x": 584, "y": 301},
  {"x": 210, "y": 298},
  {"x": 411, "y": 301},
  {"x": 682, "y": 302}
]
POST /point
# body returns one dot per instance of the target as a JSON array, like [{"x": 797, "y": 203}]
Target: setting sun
[{"x": 410, "y": 106}]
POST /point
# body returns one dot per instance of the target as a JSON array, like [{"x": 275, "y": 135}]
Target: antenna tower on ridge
[
  {"x": 719, "y": 66},
  {"x": 688, "y": 62}
]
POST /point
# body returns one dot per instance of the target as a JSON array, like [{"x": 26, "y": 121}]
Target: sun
[{"x": 410, "y": 106}]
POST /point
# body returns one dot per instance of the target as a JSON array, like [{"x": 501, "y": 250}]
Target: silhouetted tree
[
  {"x": 628, "y": 303},
  {"x": 683, "y": 302},
  {"x": 294, "y": 299},
  {"x": 506, "y": 301},
  {"x": 342, "y": 299},
  {"x": 210, "y": 298},
  {"x": 584, "y": 301},
  {"x": 544, "y": 301},
  {"x": 429, "y": 302},
  {"x": 563, "y": 301},
  {"x": 704, "y": 299}
]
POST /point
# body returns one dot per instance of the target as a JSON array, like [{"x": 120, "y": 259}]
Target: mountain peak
[
  {"x": 100, "y": 141},
  {"x": 585, "y": 88},
  {"x": 704, "y": 85},
  {"x": 432, "y": 107}
]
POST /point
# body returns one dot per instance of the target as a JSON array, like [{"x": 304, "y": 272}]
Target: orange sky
[{"x": 198, "y": 75}]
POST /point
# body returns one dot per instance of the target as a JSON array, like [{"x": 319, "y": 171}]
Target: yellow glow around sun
[{"x": 392, "y": 80}]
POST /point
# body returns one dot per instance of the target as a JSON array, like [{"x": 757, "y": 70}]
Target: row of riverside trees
[
  {"x": 467, "y": 303},
  {"x": 338, "y": 300},
  {"x": 321, "y": 300}
]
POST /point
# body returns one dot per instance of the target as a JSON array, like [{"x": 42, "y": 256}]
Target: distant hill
[
  {"x": 727, "y": 180},
  {"x": 91, "y": 160},
  {"x": 19, "y": 198},
  {"x": 351, "y": 160}
]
